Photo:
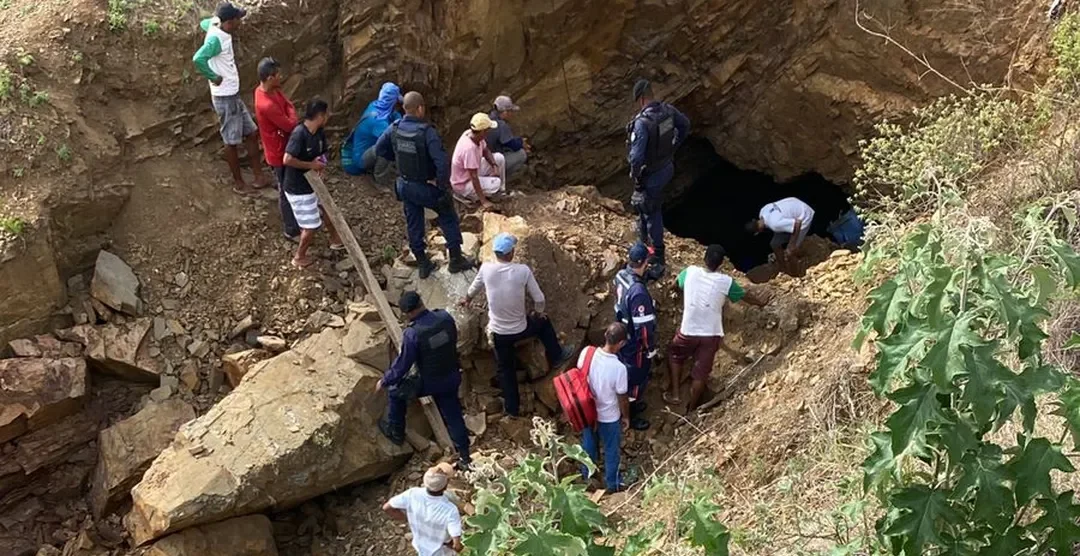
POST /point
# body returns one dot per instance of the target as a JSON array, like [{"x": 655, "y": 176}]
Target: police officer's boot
[
  {"x": 459, "y": 262},
  {"x": 425, "y": 266},
  {"x": 388, "y": 430}
]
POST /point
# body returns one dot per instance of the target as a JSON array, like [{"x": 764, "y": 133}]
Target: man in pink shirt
[{"x": 476, "y": 172}]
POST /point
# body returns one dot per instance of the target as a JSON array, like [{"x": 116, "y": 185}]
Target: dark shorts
[{"x": 702, "y": 349}]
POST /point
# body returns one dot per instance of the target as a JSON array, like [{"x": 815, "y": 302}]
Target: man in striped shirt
[{"x": 434, "y": 520}]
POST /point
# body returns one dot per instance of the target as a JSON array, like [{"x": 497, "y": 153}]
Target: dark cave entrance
[{"x": 721, "y": 197}]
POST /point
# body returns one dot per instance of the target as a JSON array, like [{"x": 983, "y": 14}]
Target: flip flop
[
  {"x": 243, "y": 192},
  {"x": 302, "y": 265},
  {"x": 337, "y": 246},
  {"x": 671, "y": 400}
]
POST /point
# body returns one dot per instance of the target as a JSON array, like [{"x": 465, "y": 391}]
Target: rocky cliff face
[{"x": 782, "y": 87}]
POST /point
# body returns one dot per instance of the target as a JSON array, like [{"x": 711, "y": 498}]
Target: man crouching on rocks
[
  {"x": 434, "y": 520},
  {"x": 429, "y": 342}
]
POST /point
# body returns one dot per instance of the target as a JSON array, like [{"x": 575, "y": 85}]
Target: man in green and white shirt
[
  {"x": 701, "y": 334},
  {"x": 216, "y": 62}
]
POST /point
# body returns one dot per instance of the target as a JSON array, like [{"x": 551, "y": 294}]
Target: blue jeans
[
  {"x": 446, "y": 399},
  {"x": 288, "y": 221},
  {"x": 610, "y": 435},
  {"x": 651, "y": 224},
  {"x": 506, "y": 357},
  {"x": 415, "y": 197}
]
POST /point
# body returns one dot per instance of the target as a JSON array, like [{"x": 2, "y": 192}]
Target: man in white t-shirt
[
  {"x": 789, "y": 219},
  {"x": 607, "y": 382},
  {"x": 434, "y": 520},
  {"x": 701, "y": 334},
  {"x": 506, "y": 284}
]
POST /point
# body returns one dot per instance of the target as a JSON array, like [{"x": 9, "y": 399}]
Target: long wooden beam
[{"x": 393, "y": 327}]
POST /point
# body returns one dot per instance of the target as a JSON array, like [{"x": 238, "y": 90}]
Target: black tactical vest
[
  {"x": 438, "y": 345},
  {"x": 661, "y": 129},
  {"x": 410, "y": 152}
]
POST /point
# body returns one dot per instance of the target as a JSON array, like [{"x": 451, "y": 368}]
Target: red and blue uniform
[{"x": 634, "y": 308}]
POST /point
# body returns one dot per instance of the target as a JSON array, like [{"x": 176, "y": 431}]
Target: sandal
[
  {"x": 668, "y": 398},
  {"x": 302, "y": 264},
  {"x": 242, "y": 191},
  {"x": 337, "y": 246}
]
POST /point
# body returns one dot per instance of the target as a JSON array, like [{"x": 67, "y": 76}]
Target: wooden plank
[{"x": 393, "y": 327}]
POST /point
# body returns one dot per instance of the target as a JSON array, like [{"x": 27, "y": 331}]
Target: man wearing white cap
[
  {"x": 435, "y": 522},
  {"x": 502, "y": 139},
  {"x": 476, "y": 172}
]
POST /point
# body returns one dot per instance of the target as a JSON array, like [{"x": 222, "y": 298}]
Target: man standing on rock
[
  {"x": 701, "y": 334},
  {"x": 608, "y": 384},
  {"x": 277, "y": 118},
  {"x": 434, "y": 520},
  {"x": 429, "y": 342},
  {"x": 506, "y": 284},
  {"x": 653, "y": 135},
  {"x": 634, "y": 308},
  {"x": 790, "y": 220},
  {"x": 475, "y": 172},
  {"x": 501, "y": 139},
  {"x": 423, "y": 182},
  {"x": 216, "y": 62},
  {"x": 306, "y": 151}
]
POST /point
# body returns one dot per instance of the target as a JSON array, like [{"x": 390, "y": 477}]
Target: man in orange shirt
[{"x": 276, "y": 117}]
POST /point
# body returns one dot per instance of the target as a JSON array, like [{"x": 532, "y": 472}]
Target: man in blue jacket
[
  {"x": 358, "y": 152},
  {"x": 634, "y": 308},
  {"x": 429, "y": 342},
  {"x": 423, "y": 182},
  {"x": 653, "y": 136}
]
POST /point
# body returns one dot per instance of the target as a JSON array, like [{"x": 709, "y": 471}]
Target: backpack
[{"x": 575, "y": 397}]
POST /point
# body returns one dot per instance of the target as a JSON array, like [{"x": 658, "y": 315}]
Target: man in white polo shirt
[
  {"x": 789, "y": 219},
  {"x": 701, "y": 334},
  {"x": 608, "y": 384}
]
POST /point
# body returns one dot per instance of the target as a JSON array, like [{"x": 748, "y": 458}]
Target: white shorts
[{"x": 306, "y": 210}]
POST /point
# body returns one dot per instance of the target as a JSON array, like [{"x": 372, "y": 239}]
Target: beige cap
[{"x": 481, "y": 122}]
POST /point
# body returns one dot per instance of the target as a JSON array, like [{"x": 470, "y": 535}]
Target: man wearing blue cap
[
  {"x": 506, "y": 284},
  {"x": 634, "y": 308},
  {"x": 653, "y": 136},
  {"x": 423, "y": 182},
  {"x": 429, "y": 342}
]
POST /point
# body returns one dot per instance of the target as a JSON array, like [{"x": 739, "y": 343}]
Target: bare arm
[
  {"x": 794, "y": 236},
  {"x": 754, "y": 299},
  {"x": 624, "y": 409},
  {"x": 394, "y": 513},
  {"x": 294, "y": 162},
  {"x": 489, "y": 157},
  {"x": 474, "y": 175}
]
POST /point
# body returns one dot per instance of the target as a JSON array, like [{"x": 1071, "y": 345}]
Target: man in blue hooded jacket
[{"x": 358, "y": 153}]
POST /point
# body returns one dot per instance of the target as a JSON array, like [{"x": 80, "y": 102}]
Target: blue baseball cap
[
  {"x": 504, "y": 243},
  {"x": 638, "y": 253}
]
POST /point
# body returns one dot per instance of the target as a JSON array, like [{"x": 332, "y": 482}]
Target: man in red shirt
[{"x": 276, "y": 118}]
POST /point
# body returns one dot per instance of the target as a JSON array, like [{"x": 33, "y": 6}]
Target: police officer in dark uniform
[
  {"x": 653, "y": 135},
  {"x": 634, "y": 308},
  {"x": 429, "y": 342},
  {"x": 423, "y": 182}
]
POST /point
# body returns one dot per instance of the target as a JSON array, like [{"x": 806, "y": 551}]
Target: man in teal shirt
[{"x": 216, "y": 62}]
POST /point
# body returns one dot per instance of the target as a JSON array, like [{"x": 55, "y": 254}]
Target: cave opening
[{"x": 713, "y": 199}]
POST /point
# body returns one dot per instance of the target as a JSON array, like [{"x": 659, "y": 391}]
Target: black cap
[
  {"x": 640, "y": 87},
  {"x": 409, "y": 302},
  {"x": 229, "y": 11}
]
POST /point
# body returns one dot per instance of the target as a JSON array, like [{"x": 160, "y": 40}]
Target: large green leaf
[
  {"x": 945, "y": 358},
  {"x": 594, "y": 549},
  {"x": 958, "y": 436},
  {"x": 1036, "y": 380},
  {"x": 1068, "y": 406},
  {"x": 642, "y": 541},
  {"x": 578, "y": 515},
  {"x": 485, "y": 530},
  {"x": 879, "y": 468},
  {"x": 1046, "y": 284},
  {"x": 919, "y": 409},
  {"x": 920, "y": 522},
  {"x": 1059, "y": 516},
  {"x": 889, "y": 302},
  {"x": 986, "y": 476},
  {"x": 1070, "y": 262},
  {"x": 1073, "y": 342},
  {"x": 1008, "y": 542},
  {"x": 934, "y": 293},
  {"x": 983, "y": 389},
  {"x": 1032, "y": 468},
  {"x": 707, "y": 532},
  {"x": 550, "y": 543},
  {"x": 896, "y": 352}
]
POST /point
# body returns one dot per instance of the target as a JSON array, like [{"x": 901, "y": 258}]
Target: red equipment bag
[{"x": 572, "y": 389}]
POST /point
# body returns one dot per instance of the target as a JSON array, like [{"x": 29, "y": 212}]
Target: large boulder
[
  {"x": 36, "y": 392},
  {"x": 115, "y": 284},
  {"x": 126, "y": 449},
  {"x": 250, "y": 535},
  {"x": 121, "y": 350},
  {"x": 441, "y": 290},
  {"x": 236, "y": 365},
  {"x": 298, "y": 425},
  {"x": 367, "y": 343}
]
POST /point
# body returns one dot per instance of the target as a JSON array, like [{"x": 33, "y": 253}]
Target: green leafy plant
[
  {"x": 37, "y": 98},
  {"x": 959, "y": 352},
  {"x": 1065, "y": 45},
  {"x": 118, "y": 14},
  {"x": 533, "y": 509},
  {"x": 151, "y": 28},
  {"x": 6, "y": 83},
  {"x": 63, "y": 153},
  {"x": 12, "y": 225},
  {"x": 25, "y": 59},
  {"x": 18, "y": 172}
]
